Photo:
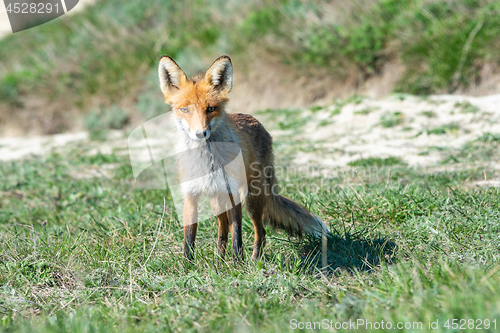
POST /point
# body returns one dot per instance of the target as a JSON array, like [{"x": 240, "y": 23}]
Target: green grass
[
  {"x": 285, "y": 119},
  {"x": 365, "y": 111},
  {"x": 428, "y": 114},
  {"x": 482, "y": 150},
  {"x": 444, "y": 129},
  {"x": 408, "y": 244},
  {"x": 467, "y": 107},
  {"x": 376, "y": 161},
  {"x": 391, "y": 119},
  {"x": 98, "y": 122}
]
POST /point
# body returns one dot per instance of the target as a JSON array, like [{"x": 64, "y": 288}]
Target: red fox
[{"x": 199, "y": 111}]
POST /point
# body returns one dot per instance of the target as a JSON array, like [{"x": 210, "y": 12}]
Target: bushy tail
[{"x": 286, "y": 214}]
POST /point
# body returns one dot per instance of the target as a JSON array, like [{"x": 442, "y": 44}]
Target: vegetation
[
  {"x": 391, "y": 119},
  {"x": 467, "y": 107},
  {"x": 100, "y": 121},
  {"x": 108, "y": 51},
  {"x": 449, "y": 128},
  {"x": 482, "y": 150},
  {"x": 84, "y": 250},
  {"x": 376, "y": 161},
  {"x": 286, "y": 119},
  {"x": 429, "y": 114}
]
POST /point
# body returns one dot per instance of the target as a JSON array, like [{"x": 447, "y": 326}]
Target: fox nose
[{"x": 201, "y": 134}]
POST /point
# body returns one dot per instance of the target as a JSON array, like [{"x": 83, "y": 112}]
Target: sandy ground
[
  {"x": 356, "y": 132},
  {"x": 4, "y": 19},
  {"x": 16, "y": 148}
]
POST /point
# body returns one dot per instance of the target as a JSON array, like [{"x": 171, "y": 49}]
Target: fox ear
[
  {"x": 172, "y": 78},
  {"x": 220, "y": 74}
]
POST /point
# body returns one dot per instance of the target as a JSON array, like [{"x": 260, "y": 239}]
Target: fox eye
[
  {"x": 184, "y": 110},
  {"x": 211, "y": 109}
]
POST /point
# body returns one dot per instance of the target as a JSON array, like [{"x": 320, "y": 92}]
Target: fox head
[{"x": 197, "y": 104}]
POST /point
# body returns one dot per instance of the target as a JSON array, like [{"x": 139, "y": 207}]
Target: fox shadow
[{"x": 347, "y": 252}]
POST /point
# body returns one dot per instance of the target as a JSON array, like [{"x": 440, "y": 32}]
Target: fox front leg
[
  {"x": 190, "y": 222},
  {"x": 221, "y": 213},
  {"x": 234, "y": 216},
  {"x": 222, "y": 237}
]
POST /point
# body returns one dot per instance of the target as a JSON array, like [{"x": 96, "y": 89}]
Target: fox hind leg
[
  {"x": 260, "y": 237},
  {"x": 255, "y": 208}
]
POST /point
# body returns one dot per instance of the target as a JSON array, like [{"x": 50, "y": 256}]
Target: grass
[
  {"x": 451, "y": 128},
  {"x": 286, "y": 119},
  {"x": 364, "y": 112},
  {"x": 98, "y": 122},
  {"x": 479, "y": 151},
  {"x": 391, "y": 119},
  {"x": 84, "y": 253},
  {"x": 428, "y": 114},
  {"x": 467, "y": 107},
  {"x": 444, "y": 129},
  {"x": 376, "y": 161}
]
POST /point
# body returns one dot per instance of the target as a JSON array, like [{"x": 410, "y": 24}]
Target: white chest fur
[{"x": 213, "y": 168}]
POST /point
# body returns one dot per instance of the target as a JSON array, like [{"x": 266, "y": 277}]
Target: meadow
[
  {"x": 84, "y": 250},
  {"x": 412, "y": 198}
]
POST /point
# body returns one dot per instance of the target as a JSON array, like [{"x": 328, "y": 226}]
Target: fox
[{"x": 199, "y": 111}]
